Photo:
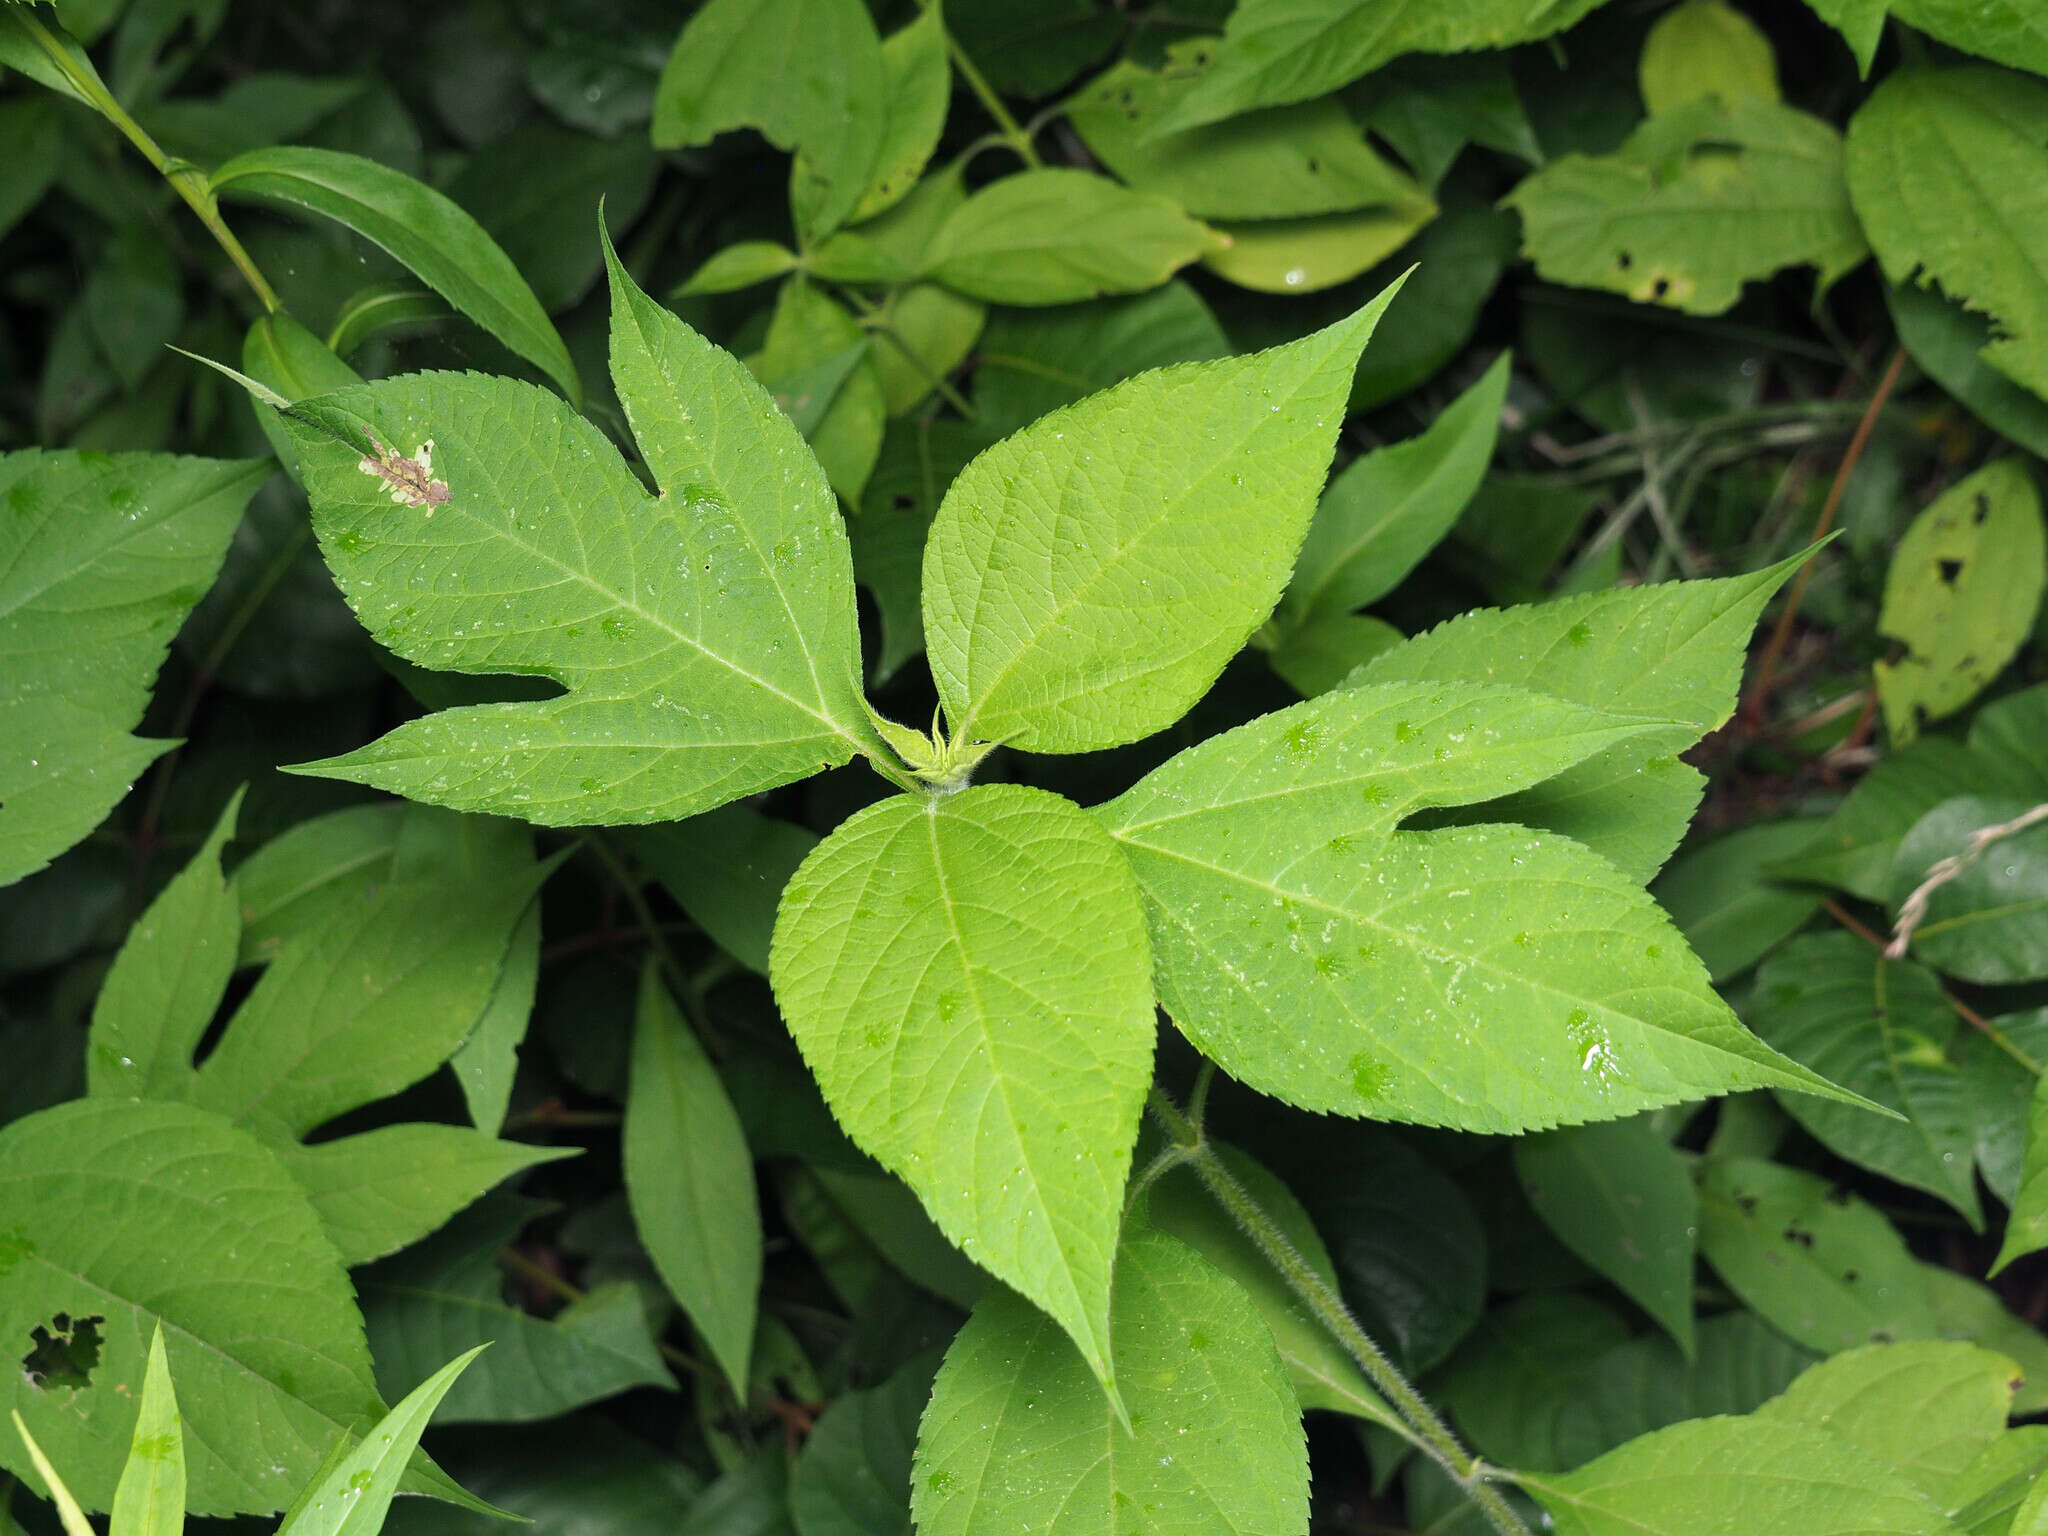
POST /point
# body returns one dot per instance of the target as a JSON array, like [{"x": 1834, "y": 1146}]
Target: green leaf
[
  {"x": 134, "y": 303},
  {"x": 993, "y": 1061},
  {"x": 2009, "y": 31},
  {"x": 1880, "y": 1027},
  {"x": 1984, "y": 1499},
  {"x": 487, "y": 1061},
  {"x": 313, "y": 872},
  {"x": 352, "y": 1498},
  {"x": 2027, "y": 1230},
  {"x": 918, "y": 85},
  {"x": 1964, "y": 586},
  {"x": 1700, "y": 200},
  {"x": 690, "y": 1180},
  {"x": 29, "y": 148},
  {"x": 853, "y": 1476},
  {"x": 739, "y": 266},
  {"x": 69, "y": 1515},
  {"x": 1946, "y": 171},
  {"x": 1706, "y": 48},
  {"x": 1317, "y": 954},
  {"x": 1018, "y": 1436},
  {"x": 430, "y": 234},
  {"x": 1723, "y": 1474},
  {"x": 1861, "y": 23},
  {"x": 1988, "y": 924},
  {"x": 1854, "y": 849},
  {"x": 809, "y": 74},
  {"x": 103, "y": 555},
  {"x": 1304, "y": 255},
  {"x": 150, "y": 1498},
  {"x": 1724, "y": 901},
  {"x": 1924, "y": 1408},
  {"x": 739, "y": 671},
  {"x": 1031, "y": 362},
  {"x": 447, "y": 1293},
  {"x": 1458, "y": 259},
  {"x": 1622, "y": 1199},
  {"x": 1970, "y": 1310},
  {"x": 1278, "y": 51},
  {"x": 172, "y": 969},
  {"x": 1672, "y": 652},
  {"x": 1321, "y": 653},
  {"x": 537, "y": 192},
  {"x": 378, "y": 1191},
  {"x": 138, "y": 1215},
  {"x": 923, "y": 333},
  {"x": 1390, "y": 507},
  {"x": 1512, "y": 1382},
  {"x": 1056, "y": 235},
  {"x": 1323, "y": 1375},
  {"x": 1087, "y": 579},
  {"x": 1818, "y": 1264},
  {"x": 726, "y": 869},
  {"x": 816, "y": 362},
  {"x": 1947, "y": 343},
  {"x": 885, "y": 1212},
  {"x": 1429, "y": 108},
  {"x": 1282, "y": 164}
]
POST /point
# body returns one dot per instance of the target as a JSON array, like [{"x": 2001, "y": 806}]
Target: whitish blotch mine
[{"x": 412, "y": 479}]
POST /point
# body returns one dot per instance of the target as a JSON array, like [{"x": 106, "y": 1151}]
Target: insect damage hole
[
  {"x": 410, "y": 480},
  {"x": 63, "y": 1352}
]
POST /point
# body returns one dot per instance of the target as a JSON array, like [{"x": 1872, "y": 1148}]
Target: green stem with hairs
[
  {"x": 188, "y": 180},
  {"x": 1469, "y": 1472}
]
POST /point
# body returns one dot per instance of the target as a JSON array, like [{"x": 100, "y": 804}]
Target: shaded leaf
[
  {"x": 1880, "y": 1027},
  {"x": 690, "y": 1180},
  {"x": 1706, "y": 48},
  {"x": 1622, "y": 1199},
  {"x": 103, "y": 556},
  {"x": 426, "y": 231}
]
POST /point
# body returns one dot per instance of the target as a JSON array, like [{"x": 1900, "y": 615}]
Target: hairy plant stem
[
  {"x": 186, "y": 179},
  {"x": 1431, "y": 1433}
]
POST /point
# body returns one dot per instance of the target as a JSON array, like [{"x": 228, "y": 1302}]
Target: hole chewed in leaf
[
  {"x": 63, "y": 1352},
  {"x": 410, "y": 480}
]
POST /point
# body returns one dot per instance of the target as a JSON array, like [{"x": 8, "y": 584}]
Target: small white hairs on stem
[{"x": 1914, "y": 910}]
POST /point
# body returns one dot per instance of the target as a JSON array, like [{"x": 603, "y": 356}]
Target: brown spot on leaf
[{"x": 410, "y": 480}]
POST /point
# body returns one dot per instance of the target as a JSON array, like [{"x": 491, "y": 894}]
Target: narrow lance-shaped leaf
[
  {"x": 690, "y": 1180},
  {"x": 706, "y": 635},
  {"x": 969, "y": 979},
  {"x": 422, "y": 228},
  {"x": 2027, "y": 1230},
  {"x": 1388, "y": 508},
  {"x": 150, "y": 1498},
  {"x": 1018, "y": 1437},
  {"x": 1086, "y": 580},
  {"x": 352, "y": 1498},
  {"x": 1492, "y": 978},
  {"x": 101, "y": 558}
]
